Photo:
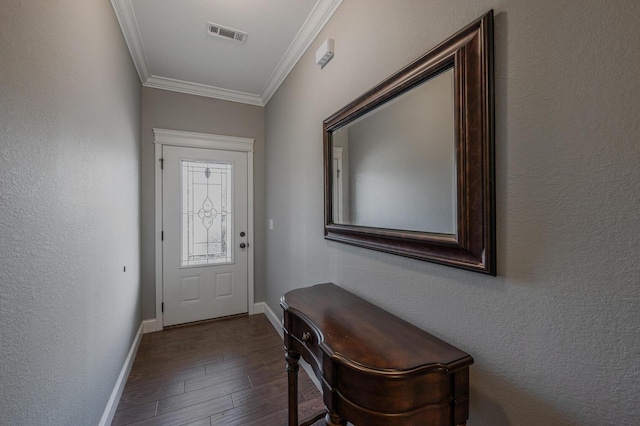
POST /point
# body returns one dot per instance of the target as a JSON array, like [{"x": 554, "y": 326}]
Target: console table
[{"x": 375, "y": 369}]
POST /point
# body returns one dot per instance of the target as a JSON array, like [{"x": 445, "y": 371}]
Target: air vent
[{"x": 216, "y": 30}]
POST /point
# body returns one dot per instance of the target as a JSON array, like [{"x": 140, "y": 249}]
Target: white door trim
[
  {"x": 338, "y": 185},
  {"x": 208, "y": 141}
]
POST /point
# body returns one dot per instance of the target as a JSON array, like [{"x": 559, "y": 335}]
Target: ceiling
[{"x": 171, "y": 49}]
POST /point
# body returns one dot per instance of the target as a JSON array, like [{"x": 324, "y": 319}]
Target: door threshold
[{"x": 188, "y": 324}]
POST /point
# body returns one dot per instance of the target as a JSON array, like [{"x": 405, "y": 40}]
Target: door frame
[{"x": 207, "y": 141}]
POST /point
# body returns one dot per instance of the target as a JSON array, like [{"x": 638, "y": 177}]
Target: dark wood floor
[{"x": 227, "y": 372}]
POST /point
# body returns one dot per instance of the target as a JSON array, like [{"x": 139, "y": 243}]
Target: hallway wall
[
  {"x": 69, "y": 210},
  {"x": 555, "y": 334}
]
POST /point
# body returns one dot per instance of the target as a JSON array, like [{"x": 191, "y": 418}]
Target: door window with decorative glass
[{"x": 207, "y": 211}]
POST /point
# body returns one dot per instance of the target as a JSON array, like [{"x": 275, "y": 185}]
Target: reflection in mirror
[{"x": 395, "y": 167}]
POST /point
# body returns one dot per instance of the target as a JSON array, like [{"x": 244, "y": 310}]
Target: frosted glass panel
[{"x": 206, "y": 213}]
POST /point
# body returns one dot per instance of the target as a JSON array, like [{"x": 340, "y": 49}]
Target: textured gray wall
[
  {"x": 555, "y": 334},
  {"x": 69, "y": 210},
  {"x": 179, "y": 111}
]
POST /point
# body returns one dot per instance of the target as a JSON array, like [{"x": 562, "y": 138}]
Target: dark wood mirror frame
[{"x": 470, "y": 53}]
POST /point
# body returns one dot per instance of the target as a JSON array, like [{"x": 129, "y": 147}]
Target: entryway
[{"x": 205, "y": 240}]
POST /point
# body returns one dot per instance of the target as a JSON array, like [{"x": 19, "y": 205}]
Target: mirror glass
[{"x": 395, "y": 166}]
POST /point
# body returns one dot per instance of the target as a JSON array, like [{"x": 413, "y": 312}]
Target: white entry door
[{"x": 204, "y": 221}]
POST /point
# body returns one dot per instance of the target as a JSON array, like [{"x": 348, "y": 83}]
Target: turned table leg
[
  {"x": 334, "y": 420},
  {"x": 292, "y": 380}
]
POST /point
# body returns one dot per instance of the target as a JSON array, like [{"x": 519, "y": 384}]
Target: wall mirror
[{"x": 409, "y": 165}]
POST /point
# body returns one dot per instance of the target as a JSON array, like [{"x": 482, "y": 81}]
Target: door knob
[{"x": 242, "y": 245}]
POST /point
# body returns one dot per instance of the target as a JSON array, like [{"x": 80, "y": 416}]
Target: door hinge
[
  {"x": 161, "y": 235},
  {"x": 162, "y": 307},
  {"x": 161, "y": 163}
]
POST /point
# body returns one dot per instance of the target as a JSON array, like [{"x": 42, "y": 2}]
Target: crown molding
[
  {"x": 202, "y": 90},
  {"x": 317, "y": 19},
  {"x": 129, "y": 26}
]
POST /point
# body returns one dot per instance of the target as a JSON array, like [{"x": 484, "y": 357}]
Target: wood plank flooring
[{"x": 228, "y": 372}]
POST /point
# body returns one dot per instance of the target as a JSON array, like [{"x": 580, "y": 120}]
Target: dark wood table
[{"x": 375, "y": 369}]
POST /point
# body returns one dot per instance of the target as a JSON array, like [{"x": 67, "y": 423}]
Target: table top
[{"x": 363, "y": 334}]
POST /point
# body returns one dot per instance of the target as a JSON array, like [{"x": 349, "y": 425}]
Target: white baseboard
[
  {"x": 258, "y": 308},
  {"x": 112, "y": 405},
  {"x": 149, "y": 326},
  {"x": 276, "y": 322}
]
